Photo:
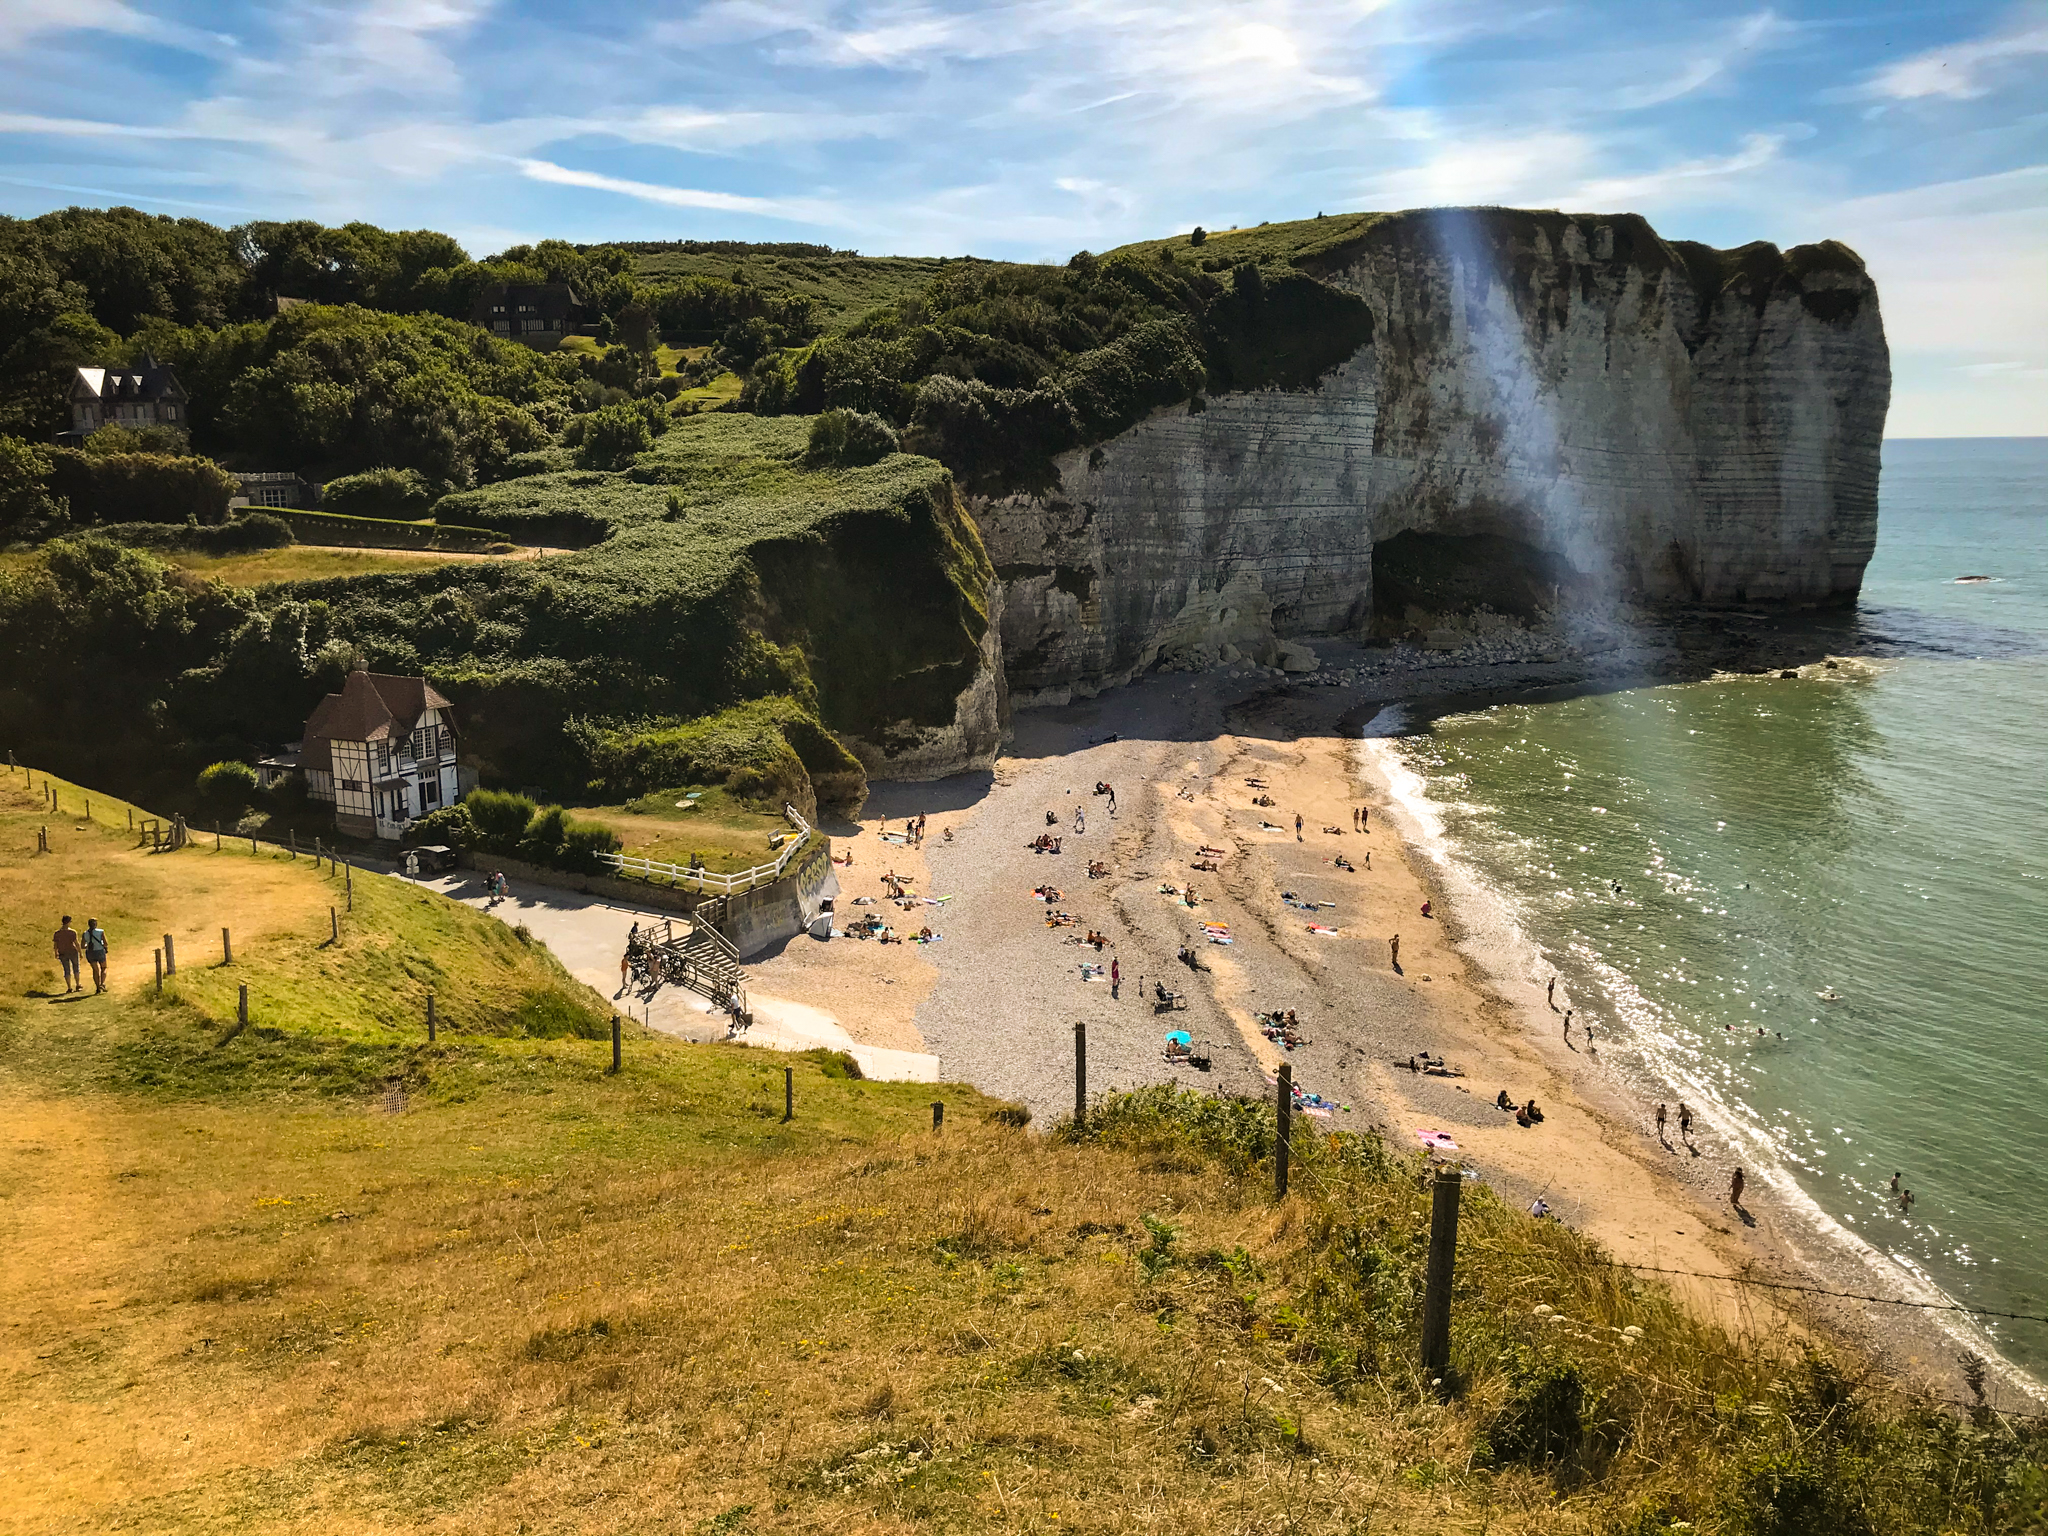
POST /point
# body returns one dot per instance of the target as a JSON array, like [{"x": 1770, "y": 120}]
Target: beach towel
[
  {"x": 1436, "y": 1139},
  {"x": 917, "y": 938},
  {"x": 1325, "y": 930}
]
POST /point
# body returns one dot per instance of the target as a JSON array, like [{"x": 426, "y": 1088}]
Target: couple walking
[{"x": 72, "y": 946}]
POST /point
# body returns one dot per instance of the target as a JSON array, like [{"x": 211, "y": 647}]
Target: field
[
  {"x": 721, "y": 830},
  {"x": 318, "y": 1274},
  {"x": 848, "y": 286}
]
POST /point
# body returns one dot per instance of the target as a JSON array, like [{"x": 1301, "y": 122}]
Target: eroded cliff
[{"x": 1629, "y": 417}]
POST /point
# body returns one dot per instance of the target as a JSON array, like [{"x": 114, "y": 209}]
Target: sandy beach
[{"x": 998, "y": 996}]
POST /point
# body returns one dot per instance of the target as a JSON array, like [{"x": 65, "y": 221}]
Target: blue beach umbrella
[{"x": 1178, "y": 1037}]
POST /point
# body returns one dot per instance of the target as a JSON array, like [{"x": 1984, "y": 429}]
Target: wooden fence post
[
  {"x": 170, "y": 956},
  {"x": 615, "y": 1045},
  {"x": 349, "y": 879},
  {"x": 430, "y": 1017},
  {"x": 788, "y": 1094},
  {"x": 131, "y": 818},
  {"x": 227, "y": 948},
  {"x": 216, "y": 837},
  {"x": 1283, "y": 1141},
  {"x": 242, "y": 1007},
  {"x": 334, "y": 923},
  {"x": 293, "y": 834},
  {"x": 1443, "y": 1259},
  {"x": 938, "y": 1114},
  {"x": 159, "y": 973},
  {"x": 1080, "y": 1075}
]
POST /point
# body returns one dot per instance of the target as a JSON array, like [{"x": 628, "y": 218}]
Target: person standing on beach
[
  {"x": 65, "y": 942},
  {"x": 1591, "y": 1049},
  {"x": 1116, "y": 978},
  {"x": 1660, "y": 1125},
  {"x": 1735, "y": 1190},
  {"x": 1297, "y": 826},
  {"x": 1567, "y": 1026},
  {"x": 94, "y": 942},
  {"x": 1684, "y": 1121},
  {"x": 1394, "y": 949},
  {"x": 1550, "y": 994}
]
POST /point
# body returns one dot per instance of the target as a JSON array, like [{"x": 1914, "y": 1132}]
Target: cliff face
[{"x": 1647, "y": 419}]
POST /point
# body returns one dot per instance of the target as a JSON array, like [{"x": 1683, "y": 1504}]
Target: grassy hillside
[
  {"x": 847, "y": 287},
  {"x": 252, "y": 1294}
]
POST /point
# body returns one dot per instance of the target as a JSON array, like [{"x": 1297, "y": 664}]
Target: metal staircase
[{"x": 702, "y": 959}]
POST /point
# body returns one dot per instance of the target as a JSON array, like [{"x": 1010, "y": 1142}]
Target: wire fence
[{"x": 709, "y": 880}]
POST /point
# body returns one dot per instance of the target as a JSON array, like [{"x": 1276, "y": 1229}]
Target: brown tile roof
[{"x": 372, "y": 706}]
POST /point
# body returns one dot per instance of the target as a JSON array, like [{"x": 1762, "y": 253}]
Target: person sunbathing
[
  {"x": 1206, "y": 866},
  {"x": 1097, "y": 869},
  {"x": 1343, "y": 863},
  {"x": 1052, "y": 818}
]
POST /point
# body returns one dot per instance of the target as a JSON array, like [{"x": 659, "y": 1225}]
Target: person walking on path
[
  {"x": 1735, "y": 1190},
  {"x": 94, "y": 942},
  {"x": 1660, "y": 1126},
  {"x": 65, "y": 942},
  {"x": 1685, "y": 1121},
  {"x": 1297, "y": 826},
  {"x": 1567, "y": 1026},
  {"x": 1394, "y": 948},
  {"x": 1116, "y": 978}
]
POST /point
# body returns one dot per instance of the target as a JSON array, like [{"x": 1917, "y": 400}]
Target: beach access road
[{"x": 588, "y": 935}]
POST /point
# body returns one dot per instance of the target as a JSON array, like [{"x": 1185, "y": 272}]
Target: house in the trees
[
  {"x": 538, "y": 315},
  {"x": 145, "y": 394},
  {"x": 382, "y": 751}
]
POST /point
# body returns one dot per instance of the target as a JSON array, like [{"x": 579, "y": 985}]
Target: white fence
[{"x": 707, "y": 880}]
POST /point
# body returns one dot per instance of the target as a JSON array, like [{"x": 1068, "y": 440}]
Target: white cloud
[
  {"x": 1680, "y": 179},
  {"x": 799, "y": 210},
  {"x": 1961, "y": 70},
  {"x": 1750, "y": 33}
]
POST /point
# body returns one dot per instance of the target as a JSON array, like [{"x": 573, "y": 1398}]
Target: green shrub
[
  {"x": 843, "y": 438},
  {"x": 613, "y": 437},
  {"x": 451, "y": 826},
  {"x": 155, "y": 437},
  {"x": 25, "y": 501},
  {"x": 397, "y": 493},
  {"x": 1542, "y": 1422},
  {"x": 500, "y": 816},
  {"x": 227, "y": 788},
  {"x": 140, "y": 487}
]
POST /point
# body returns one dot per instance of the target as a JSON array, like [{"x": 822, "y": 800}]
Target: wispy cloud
[
  {"x": 808, "y": 211},
  {"x": 1963, "y": 70},
  {"x": 1714, "y": 62}
]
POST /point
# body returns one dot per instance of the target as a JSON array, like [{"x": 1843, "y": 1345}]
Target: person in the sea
[
  {"x": 1735, "y": 1190},
  {"x": 1906, "y": 1203},
  {"x": 1895, "y": 1184}
]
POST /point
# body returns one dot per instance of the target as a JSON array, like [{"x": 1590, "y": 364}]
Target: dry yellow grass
[{"x": 486, "y": 1286}]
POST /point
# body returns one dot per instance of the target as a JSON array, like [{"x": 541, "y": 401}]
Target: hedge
[{"x": 140, "y": 487}]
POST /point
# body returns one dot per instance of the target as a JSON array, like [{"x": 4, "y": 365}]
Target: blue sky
[{"x": 1918, "y": 134}]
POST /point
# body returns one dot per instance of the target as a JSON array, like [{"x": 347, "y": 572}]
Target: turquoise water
[{"x": 1877, "y": 832}]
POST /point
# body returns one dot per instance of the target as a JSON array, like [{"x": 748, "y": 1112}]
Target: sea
[{"x": 1817, "y": 909}]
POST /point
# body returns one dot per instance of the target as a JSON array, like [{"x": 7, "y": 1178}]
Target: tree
[
  {"x": 227, "y": 789},
  {"x": 25, "y": 499},
  {"x": 613, "y": 436},
  {"x": 1199, "y": 237}
]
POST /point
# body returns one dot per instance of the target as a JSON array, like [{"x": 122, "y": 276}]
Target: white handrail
[{"x": 705, "y": 879}]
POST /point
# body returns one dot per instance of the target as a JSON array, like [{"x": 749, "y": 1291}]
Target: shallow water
[{"x": 1876, "y": 832}]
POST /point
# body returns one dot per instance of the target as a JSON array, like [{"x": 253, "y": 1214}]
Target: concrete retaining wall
[{"x": 755, "y": 919}]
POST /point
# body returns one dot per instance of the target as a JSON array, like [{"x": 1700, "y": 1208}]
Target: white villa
[{"x": 383, "y": 751}]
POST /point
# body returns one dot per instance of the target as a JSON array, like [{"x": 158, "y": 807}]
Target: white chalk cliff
[{"x": 1668, "y": 422}]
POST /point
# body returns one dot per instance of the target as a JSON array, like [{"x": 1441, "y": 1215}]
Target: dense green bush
[
  {"x": 227, "y": 789},
  {"x": 613, "y": 437},
  {"x": 398, "y": 493},
  {"x": 849, "y": 438},
  {"x": 25, "y": 500},
  {"x": 492, "y": 821},
  {"x": 140, "y": 487},
  {"x": 236, "y": 536}
]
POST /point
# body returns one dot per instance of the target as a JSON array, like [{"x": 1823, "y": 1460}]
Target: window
[
  {"x": 383, "y": 757},
  {"x": 430, "y": 791}
]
